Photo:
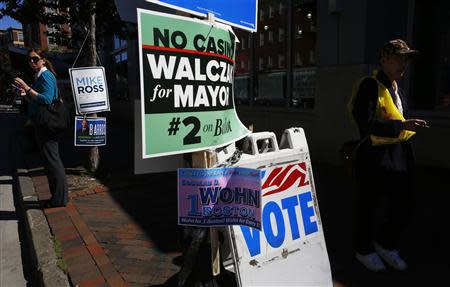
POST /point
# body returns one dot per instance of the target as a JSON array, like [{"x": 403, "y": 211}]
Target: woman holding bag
[{"x": 44, "y": 91}]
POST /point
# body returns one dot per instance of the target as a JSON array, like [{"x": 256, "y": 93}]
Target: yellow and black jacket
[{"x": 387, "y": 146}]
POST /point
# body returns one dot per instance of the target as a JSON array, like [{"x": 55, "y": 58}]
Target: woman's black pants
[{"x": 54, "y": 168}]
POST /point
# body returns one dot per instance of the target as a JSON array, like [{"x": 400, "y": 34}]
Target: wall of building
[
  {"x": 347, "y": 45},
  {"x": 432, "y": 145},
  {"x": 341, "y": 56},
  {"x": 360, "y": 36}
]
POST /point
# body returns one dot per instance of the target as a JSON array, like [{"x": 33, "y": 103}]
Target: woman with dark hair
[{"x": 44, "y": 91}]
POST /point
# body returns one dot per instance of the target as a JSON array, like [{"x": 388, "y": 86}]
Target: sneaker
[
  {"x": 391, "y": 257},
  {"x": 371, "y": 261}
]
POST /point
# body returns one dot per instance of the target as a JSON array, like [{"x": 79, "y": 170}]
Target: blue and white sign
[
  {"x": 237, "y": 13},
  {"x": 90, "y": 91},
  {"x": 90, "y": 131}
]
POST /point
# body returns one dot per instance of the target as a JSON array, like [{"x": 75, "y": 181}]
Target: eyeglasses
[{"x": 34, "y": 59}]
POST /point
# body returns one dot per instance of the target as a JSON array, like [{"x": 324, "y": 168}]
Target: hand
[
  {"x": 17, "y": 90},
  {"x": 19, "y": 82},
  {"x": 414, "y": 124}
]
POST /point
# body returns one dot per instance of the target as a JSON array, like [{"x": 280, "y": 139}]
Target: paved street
[{"x": 14, "y": 270}]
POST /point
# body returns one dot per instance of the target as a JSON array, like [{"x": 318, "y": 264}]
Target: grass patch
[{"x": 60, "y": 262}]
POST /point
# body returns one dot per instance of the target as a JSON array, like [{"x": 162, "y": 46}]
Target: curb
[{"x": 43, "y": 256}]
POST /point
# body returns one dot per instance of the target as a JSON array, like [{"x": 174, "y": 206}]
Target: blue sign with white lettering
[
  {"x": 90, "y": 131},
  {"x": 238, "y": 13}
]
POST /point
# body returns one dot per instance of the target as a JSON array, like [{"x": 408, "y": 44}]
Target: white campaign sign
[
  {"x": 90, "y": 90},
  {"x": 290, "y": 249}
]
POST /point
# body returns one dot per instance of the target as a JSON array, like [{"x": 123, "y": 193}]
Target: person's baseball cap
[{"x": 397, "y": 47}]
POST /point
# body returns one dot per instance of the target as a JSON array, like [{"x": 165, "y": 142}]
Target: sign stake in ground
[{"x": 206, "y": 159}]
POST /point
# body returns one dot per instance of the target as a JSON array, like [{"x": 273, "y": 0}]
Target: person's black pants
[
  {"x": 54, "y": 168},
  {"x": 397, "y": 189}
]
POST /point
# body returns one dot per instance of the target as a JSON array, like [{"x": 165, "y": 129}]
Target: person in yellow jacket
[{"x": 384, "y": 160}]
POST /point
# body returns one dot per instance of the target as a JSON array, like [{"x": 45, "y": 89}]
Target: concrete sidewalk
[
  {"x": 11, "y": 271},
  {"x": 122, "y": 230}
]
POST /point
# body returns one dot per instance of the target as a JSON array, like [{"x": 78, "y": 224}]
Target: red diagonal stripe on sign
[
  {"x": 303, "y": 165},
  {"x": 286, "y": 178},
  {"x": 279, "y": 179},
  {"x": 292, "y": 178},
  {"x": 271, "y": 177}
]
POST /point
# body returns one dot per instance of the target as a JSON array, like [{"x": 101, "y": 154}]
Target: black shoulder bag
[{"x": 53, "y": 117}]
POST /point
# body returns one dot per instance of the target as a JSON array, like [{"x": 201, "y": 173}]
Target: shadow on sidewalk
[
  {"x": 424, "y": 243},
  {"x": 148, "y": 211}
]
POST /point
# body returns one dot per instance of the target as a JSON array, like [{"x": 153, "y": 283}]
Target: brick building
[
  {"x": 38, "y": 35},
  {"x": 11, "y": 37}
]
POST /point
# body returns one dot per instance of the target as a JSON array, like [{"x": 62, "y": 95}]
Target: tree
[
  {"x": 7, "y": 74},
  {"x": 57, "y": 13},
  {"x": 95, "y": 17}
]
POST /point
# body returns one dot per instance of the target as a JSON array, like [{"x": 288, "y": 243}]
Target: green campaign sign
[{"x": 186, "y": 74}]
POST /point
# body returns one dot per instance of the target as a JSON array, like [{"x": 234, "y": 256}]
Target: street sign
[
  {"x": 90, "y": 91},
  {"x": 237, "y": 13},
  {"x": 186, "y": 74}
]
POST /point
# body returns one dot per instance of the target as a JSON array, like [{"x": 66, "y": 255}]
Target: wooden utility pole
[
  {"x": 200, "y": 268},
  {"x": 94, "y": 156},
  {"x": 207, "y": 159}
]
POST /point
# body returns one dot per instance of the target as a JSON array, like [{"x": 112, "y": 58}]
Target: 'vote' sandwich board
[
  {"x": 290, "y": 249},
  {"x": 186, "y": 76}
]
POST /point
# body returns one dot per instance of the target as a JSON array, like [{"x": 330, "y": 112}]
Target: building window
[
  {"x": 261, "y": 63},
  {"x": 281, "y": 61},
  {"x": 119, "y": 43},
  {"x": 241, "y": 89},
  {"x": 312, "y": 27},
  {"x": 270, "y": 36},
  {"x": 50, "y": 38},
  {"x": 271, "y": 11},
  {"x": 261, "y": 15},
  {"x": 298, "y": 59},
  {"x": 269, "y": 62},
  {"x": 280, "y": 35},
  {"x": 281, "y": 8},
  {"x": 312, "y": 58},
  {"x": 51, "y": 41},
  {"x": 121, "y": 57},
  {"x": 261, "y": 39},
  {"x": 243, "y": 43},
  {"x": 304, "y": 81},
  {"x": 20, "y": 36},
  {"x": 272, "y": 88},
  {"x": 298, "y": 32}
]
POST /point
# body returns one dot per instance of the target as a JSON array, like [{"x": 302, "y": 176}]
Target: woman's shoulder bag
[{"x": 53, "y": 117}]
